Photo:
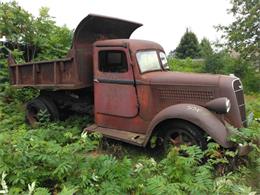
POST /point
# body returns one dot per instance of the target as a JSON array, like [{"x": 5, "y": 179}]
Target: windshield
[{"x": 148, "y": 61}]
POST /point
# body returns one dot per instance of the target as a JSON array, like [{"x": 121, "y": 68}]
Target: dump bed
[{"x": 75, "y": 71}]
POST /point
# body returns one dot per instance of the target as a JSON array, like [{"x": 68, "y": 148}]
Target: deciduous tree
[
  {"x": 38, "y": 37},
  {"x": 243, "y": 35}
]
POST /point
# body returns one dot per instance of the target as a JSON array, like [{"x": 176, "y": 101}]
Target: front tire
[{"x": 179, "y": 133}]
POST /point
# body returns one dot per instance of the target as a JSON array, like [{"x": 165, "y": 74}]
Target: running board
[{"x": 125, "y": 136}]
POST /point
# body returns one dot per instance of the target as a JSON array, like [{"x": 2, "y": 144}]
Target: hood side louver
[{"x": 177, "y": 95}]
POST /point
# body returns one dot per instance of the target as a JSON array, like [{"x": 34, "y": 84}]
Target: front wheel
[{"x": 180, "y": 133}]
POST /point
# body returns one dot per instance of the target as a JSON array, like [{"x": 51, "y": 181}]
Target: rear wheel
[
  {"x": 180, "y": 133},
  {"x": 41, "y": 104}
]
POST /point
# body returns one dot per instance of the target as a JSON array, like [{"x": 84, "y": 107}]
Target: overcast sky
[{"x": 164, "y": 21}]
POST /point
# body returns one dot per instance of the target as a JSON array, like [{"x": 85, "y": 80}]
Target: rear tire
[
  {"x": 181, "y": 133},
  {"x": 40, "y": 104}
]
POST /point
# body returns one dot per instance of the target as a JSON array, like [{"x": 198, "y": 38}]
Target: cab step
[{"x": 125, "y": 136}]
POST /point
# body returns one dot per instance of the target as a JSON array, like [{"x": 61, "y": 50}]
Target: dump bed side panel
[{"x": 56, "y": 74}]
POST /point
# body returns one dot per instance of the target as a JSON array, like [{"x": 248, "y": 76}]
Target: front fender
[{"x": 197, "y": 115}]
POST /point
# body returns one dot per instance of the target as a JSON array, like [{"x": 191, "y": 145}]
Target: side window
[{"x": 112, "y": 61}]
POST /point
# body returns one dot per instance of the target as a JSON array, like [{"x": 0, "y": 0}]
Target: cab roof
[{"x": 134, "y": 44}]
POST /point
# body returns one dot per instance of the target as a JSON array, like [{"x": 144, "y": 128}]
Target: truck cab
[
  {"x": 136, "y": 96},
  {"x": 119, "y": 67}
]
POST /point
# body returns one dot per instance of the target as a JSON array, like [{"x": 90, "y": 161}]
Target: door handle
[{"x": 96, "y": 80}]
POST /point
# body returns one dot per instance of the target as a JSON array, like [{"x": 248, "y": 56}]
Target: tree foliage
[
  {"x": 205, "y": 48},
  {"x": 188, "y": 47},
  {"x": 38, "y": 37},
  {"x": 243, "y": 35}
]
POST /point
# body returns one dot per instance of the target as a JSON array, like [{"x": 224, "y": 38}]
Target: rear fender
[{"x": 197, "y": 115}]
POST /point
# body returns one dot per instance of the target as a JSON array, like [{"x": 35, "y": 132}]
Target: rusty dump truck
[{"x": 126, "y": 84}]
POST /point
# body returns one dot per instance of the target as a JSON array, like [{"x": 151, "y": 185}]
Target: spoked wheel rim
[{"x": 180, "y": 137}]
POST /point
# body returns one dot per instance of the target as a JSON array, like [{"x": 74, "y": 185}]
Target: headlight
[{"x": 219, "y": 105}]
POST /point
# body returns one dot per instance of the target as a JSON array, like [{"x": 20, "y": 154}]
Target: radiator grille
[{"x": 237, "y": 85}]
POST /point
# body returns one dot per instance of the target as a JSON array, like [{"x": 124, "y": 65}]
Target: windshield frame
[
  {"x": 162, "y": 69},
  {"x": 167, "y": 67}
]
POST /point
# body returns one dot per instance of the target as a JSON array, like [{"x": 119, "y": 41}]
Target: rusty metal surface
[
  {"x": 134, "y": 124},
  {"x": 219, "y": 105},
  {"x": 116, "y": 105},
  {"x": 197, "y": 115},
  {"x": 114, "y": 93},
  {"x": 169, "y": 88},
  {"x": 126, "y": 136},
  {"x": 134, "y": 44},
  {"x": 118, "y": 100},
  {"x": 97, "y": 27},
  {"x": 235, "y": 117},
  {"x": 50, "y": 74}
]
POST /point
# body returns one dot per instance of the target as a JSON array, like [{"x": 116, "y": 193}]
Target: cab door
[{"x": 114, "y": 88}]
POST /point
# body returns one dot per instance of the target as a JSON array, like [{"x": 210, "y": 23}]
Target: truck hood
[
  {"x": 180, "y": 78},
  {"x": 194, "y": 88}
]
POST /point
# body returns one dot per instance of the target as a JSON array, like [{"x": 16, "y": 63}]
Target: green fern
[{"x": 41, "y": 191}]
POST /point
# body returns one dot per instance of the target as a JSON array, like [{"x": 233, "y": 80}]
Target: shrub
[{"x": 186, "y": 65}]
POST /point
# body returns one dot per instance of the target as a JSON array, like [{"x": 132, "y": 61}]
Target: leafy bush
[
  {"x": 215, "y": 63},
  {"x": 186, "y": 65}
]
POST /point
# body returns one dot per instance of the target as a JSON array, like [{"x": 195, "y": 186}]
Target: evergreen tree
[
  {"x": 205, "y": 48},
  {"x": 189, "y": 46}
]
